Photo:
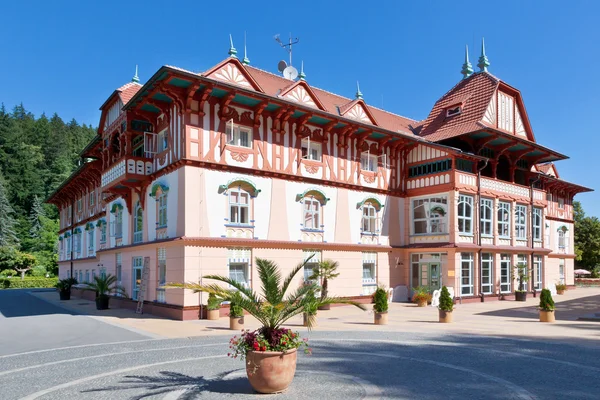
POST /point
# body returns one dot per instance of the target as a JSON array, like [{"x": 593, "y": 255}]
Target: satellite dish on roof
[
  {"x": 290, "y": 73},
  {"x": 281, "y": 66}
]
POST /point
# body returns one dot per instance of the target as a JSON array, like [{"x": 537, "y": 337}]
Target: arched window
[
  {"x": 521, "y": 222},
  {"x": 239, "y": 206},
  {"x": 561, "y": 239},
  {"x": 465, "y": 214},
  {"x": 370, "y": 216},
  {"x": 312, "y": 213},
  {"x": 504, "y": 219},
  {"x": 138, "y": 223}
]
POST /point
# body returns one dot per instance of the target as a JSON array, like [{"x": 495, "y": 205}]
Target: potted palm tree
[
  {"x": 213, "y": 305},
  {"x": 270, "y": 351},
  {"x": 324, "y": 272},
  {"x": 310, "y": 309},
  {"x": 236, "y": 316},
  {"x": 380, "y": 308},
  {"x": 421, "y": 296},
  {"x": 64, "y": 287},
  {"x": 521, "y": 275},
  {"x": 105, "y": 286},
  {"x": 446, "y": 306},
  {"x": 546, "y": 306}
]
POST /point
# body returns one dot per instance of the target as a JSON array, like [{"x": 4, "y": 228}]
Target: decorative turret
[
  {"x": 483, "y": 60},
  {"x": 467, "y": 68},
  {"x": 136, "y": 78},
  {"x": 232, "y": 50},
  {"x": 302, "y": 75},
  {"x": 359, "y": 94}
]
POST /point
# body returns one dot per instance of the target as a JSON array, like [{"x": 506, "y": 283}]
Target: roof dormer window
[{"x": 452, "y": 111}]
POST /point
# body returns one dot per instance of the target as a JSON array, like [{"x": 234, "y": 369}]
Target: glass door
[
  {"x": 137, "y": 276},
  {"x": 434, "y": 276}
]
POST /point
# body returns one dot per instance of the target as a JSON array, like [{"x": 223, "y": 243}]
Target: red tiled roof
[
  {"x": 273, "y": 85},
  {"x": 128, "y": 90},
  {"x": 475, "y": 93},
  {"x": 544, "y": 168}
]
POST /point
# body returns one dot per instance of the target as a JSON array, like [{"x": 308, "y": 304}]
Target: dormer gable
[
  {"x": 506, "y": 112},
  {"x": 113, "y": 106},
  {"x": 232, "y": 71},
  {"x": 548, "y": 169},
  {"x": 358, "y": 110},
  {"x": 301, "y": 92}
]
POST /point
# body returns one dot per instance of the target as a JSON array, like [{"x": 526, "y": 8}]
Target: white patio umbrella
[{"x": 582, "y": 272}]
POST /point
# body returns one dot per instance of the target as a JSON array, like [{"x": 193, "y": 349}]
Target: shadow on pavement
[{"x": 20, "y": 303}]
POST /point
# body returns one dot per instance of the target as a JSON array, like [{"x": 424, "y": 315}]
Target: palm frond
[
  {"x": 339, "y": 300},
  {"x": 288, "y": 280},
  {"x": 269, "y": 275}
]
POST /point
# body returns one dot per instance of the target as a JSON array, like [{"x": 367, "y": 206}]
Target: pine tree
[
  {"x": 8, "y": 236},
  {"x": 35, "y": 218}
]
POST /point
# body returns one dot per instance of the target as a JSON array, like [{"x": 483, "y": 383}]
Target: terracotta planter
[
  {"x": 520, "y": 296},
  {"x": 380, "y": 318},
  {"x": 213, "y": 315},
  {"x": 560, "y": 291},
  {"x": 445, "y": 316},
  {"x": 102, "y": 302},
  {"x": 422, "y": 303},
  {"x": 271, "y": 371},
  {"x": 305, "y": 320},
  {"x": 547, "y": 316},
  {"x": 64, "y": 294},
  {"x": 325, "y": 307},
  {"x": 236, "y": 323}
]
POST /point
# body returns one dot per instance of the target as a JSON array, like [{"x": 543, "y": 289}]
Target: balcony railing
[
  {"x": 498, "y": 185},
  {"x": 127, "y": 167}
]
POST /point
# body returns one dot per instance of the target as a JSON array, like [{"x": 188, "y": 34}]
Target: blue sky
[{"x": 68, "y": 56}]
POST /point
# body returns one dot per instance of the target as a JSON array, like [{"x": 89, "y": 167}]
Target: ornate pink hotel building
[{"x": 203, "y": 172}]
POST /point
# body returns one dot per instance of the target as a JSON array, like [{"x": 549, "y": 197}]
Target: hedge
[{"x": 27, "y": 283}]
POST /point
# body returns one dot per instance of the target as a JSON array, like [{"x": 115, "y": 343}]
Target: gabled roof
[
  {"x": 548, "y": 169},
  {"x": 358, "y": 109},
  {"x": 302, "y": 93},
  {"x": 125, "y": 93},
  {"x": 475, "y": 94},
  {"x": 231, "y": 70}
]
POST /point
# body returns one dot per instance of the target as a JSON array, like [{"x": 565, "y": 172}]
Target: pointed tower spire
[
  {"x": 246, "y": 60},
  {"x": 359, "y": 94},
  {"x": 232, "y": 50},
  {"x": 484, "y": 63},
  {"x": 467, "y": 68},
  {"x": 136, "y": 78},
  {"x": 302, "y": 74}
]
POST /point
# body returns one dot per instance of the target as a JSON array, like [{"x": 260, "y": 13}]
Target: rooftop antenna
[{"x": 287, "y": 46}]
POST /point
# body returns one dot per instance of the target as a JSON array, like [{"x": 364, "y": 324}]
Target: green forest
[{"x": 36, "y": 156}]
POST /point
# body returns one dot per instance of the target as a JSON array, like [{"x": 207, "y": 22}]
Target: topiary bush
[
  {"x": 546, "y": 301},
  {"x": 27, "y": 283},
  {"x": 446, "y": 303},
  {"x": 380, "y": 298}
]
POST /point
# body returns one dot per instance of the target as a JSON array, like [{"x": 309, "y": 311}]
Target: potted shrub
[
  {"x": 213, "y": 305},
  {"x": 324, "y": 272},
  {"x": 380, "y": 308},
  {"x": 560, "y": 288},
  {"x": 270, "y": 351},
  {"x": 105, "y": 286},
  {"x": 236, "y": 316},
  {"x": 446, "y": 306},
  {"x": 310, "y": 309},
  {"x": 521, "y": 275},
  {"x": 546, "y": 306},
  {"x": 64, "y": 287},
  {"x": 421, "y": 296}
]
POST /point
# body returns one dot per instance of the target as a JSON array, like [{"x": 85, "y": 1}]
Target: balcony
[
  {"x": 497, "y": 185},
  {"x": 128, "y": 171}
]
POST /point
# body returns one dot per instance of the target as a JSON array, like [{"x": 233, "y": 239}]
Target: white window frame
[
  {"x": 103, "y": 233},
  {"x": 92, "y": 198},
  {"x": 162, "y": 210},
  {"x": 314, "y": 261},
  {"x": 369, "y": 221},
  {"x": 435, "y": 223},
  {"x": 91, "y": 242},
  {"x": 79, "y": 204},
  {"x": 537, "y": 272},
  {"x": 466, "y": 259},
  {"x": 119, "y": 267},
  {"x": 487, "y": 264},
  {"x": 239, "y": 207},
  {"x": 505, "y": 273},
  {"x": 537, "y": 224},
  {"x": 161, "y": 274},
  {"x": 136, "y": 264},
  {"x": 486, "y": 210},
  {"x": 118, "y": 223},
  {"x": 162, "y": 141},
  {"x": 521, "y": 222},
  {"x": 235, "y": 135},
  {"x": 562, "y": 239},
  {"x": 561, "y": 270},
  {"x": 77, "y": 243},
  {"x": 311, "y": 150},
  {"x": 368, "y": 162},
  {"x": 504, "y": 218},
  {"x": 561, "y": 203},
  {"x": 138, "y": 231},
  {"x": 312, "y": 213},
  {"x": 466, "y": 216},
  {"x": 522, "y": 259},
  {"x": 239, "y": 271}
]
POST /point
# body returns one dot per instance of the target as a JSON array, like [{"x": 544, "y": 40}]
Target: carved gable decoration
[
  {"x": 507, "y": 112},
  {"x": 232, "y": 71},
  {"x": 301, "y": 93},
  {"x": 357, "y": 110},
  {"x": 490, "y": 113}
]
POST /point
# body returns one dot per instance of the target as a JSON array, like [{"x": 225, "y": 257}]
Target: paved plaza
[{"x": 496, "y": 350}]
